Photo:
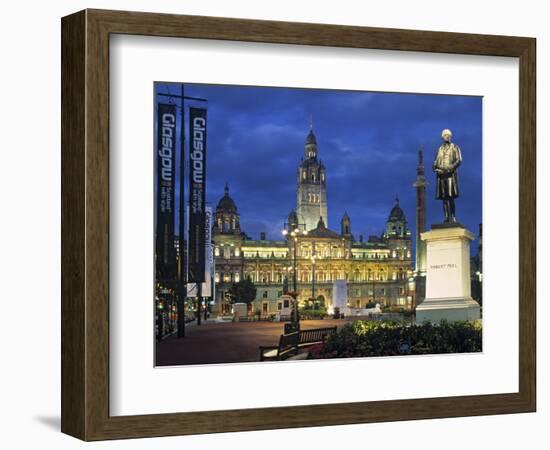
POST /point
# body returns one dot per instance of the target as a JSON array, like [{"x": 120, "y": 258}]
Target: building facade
[{"x": 377, "y": 270}]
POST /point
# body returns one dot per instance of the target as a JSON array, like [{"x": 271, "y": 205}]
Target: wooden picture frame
[{"x": 85, "y": 224}]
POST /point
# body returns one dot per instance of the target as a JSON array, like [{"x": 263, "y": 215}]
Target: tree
[{"x": 242, "y": 292}]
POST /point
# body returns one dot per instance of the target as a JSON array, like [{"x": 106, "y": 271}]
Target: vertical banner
[
  {"x": 197, "y": 189},
  {"x": 209, "y": 260},
  {"x": 166, "y": 179},
  {"x": 209, "y": 254}
]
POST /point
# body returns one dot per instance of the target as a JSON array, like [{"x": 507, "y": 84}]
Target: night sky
[{"x": 368, "y": 142}]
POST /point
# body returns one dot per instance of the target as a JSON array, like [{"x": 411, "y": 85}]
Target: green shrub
[
  {"x": 374, "y": 338},
  {"x": 318, "y": 313}
]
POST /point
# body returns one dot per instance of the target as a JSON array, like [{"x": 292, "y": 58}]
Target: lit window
[
  {"x": 237, "y": 277},
  {"x": 217, "y": 277},
  {"x": 237, "y": 252}
]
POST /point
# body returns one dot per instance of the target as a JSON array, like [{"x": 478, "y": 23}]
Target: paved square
[{"x": 226, "y": 342}]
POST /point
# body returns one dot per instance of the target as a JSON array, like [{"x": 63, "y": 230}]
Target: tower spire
[{"x": 311, "y": 193}]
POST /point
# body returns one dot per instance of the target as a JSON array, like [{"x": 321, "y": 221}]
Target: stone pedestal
[{"x": 448, "y": 281}]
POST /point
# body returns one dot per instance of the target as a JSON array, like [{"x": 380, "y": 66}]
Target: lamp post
[
  {"x": 313, "y": 279},
  {"x": 286, "y": 270},
  {"x": 293, "y": 231},
  {"x": 160, "y": 318},
  {"x": 371, "y": 274}
]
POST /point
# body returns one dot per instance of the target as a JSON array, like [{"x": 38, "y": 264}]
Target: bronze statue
[{"x": 445, "y": 166}]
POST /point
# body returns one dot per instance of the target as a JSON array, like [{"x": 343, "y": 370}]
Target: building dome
[
  {"x": 396, "y": 213},
  {"x": 226, "y": 203}
]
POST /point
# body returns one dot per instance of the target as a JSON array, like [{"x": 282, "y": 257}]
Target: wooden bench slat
[{"x": 289, "y": 343}]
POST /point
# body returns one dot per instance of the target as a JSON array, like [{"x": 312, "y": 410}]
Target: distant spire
[
  {"x": 311, "y": 122},
  {"x": 321, "y": 223},
  {"x": 226, "y": 188},
  {"x": 420, "y": 156},
  {"x": 396, "y": 199}
]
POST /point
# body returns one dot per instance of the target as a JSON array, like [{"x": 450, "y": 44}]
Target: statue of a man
[{"x": 445, "y": 166}]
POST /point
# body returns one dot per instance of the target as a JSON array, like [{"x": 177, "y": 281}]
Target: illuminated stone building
[{"x": 377, "y": 269}]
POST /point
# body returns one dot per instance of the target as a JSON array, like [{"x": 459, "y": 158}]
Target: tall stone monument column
[
  {"x": 420, "y": 266},
  {"x": 448, "y": 294}
]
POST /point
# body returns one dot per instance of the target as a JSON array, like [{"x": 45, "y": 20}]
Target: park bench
[
  {"x": 288, "y": 345},
  {"x": 291, "y": 342},
  {"x": 315, "y": 336}
]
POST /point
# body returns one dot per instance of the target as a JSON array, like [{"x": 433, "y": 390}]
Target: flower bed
[{"x": 374, "y": 338}]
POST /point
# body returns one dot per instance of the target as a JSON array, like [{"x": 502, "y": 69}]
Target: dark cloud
[{"x": 368, "y": 142}]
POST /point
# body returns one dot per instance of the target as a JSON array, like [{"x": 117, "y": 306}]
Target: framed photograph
[{"x": 274, "y": 225}]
